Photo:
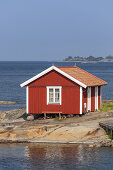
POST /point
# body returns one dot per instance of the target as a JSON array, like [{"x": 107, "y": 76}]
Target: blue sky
[{"x": 54, "y": 29}]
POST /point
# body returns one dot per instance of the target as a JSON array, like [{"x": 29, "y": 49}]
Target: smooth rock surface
[
  {"x": 30, "y": 117},
  {"x": 6, "y": 102},
  {"x": 85, "y": 129}
]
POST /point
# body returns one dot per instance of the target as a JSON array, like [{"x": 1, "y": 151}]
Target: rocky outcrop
[
  {"x": 12, "y": 115},
  {"x": 6, "y": 102},
  {"x": 15, "y": 128}
]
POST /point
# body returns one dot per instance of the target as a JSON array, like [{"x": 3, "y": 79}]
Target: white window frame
[{"x": 53, "y": 87}]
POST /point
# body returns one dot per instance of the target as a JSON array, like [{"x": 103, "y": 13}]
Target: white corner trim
[
  {"x": 48, "y": 70},
  {"x": 96, "y": 98},
  {"x": 27, "y": 99},
  {"x": 54, "y": 87},
  {"x": 80, "y": 100}
]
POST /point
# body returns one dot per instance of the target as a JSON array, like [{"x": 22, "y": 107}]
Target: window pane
[
  {"x": 51, "y": 100},
  {"x": 57, "y": 95},
  {"x": 57, "y": 100},
  {"x": 50, "y": 95},
  {"x": 57, "y": 90},
  {"x": 50, "y": 90}
]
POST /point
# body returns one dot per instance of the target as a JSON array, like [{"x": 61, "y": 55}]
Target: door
[
  {"x": 96, "y": 98},
  {"x": 89, "y": 99}
]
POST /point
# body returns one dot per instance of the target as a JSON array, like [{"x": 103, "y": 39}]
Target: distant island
[{"x": 88, "y": 59}]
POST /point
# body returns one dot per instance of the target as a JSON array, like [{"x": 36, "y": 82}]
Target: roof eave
[{"x": 97, "y": 85}]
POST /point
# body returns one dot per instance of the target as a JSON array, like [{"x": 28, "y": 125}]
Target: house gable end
[
  {"x": 47, "y": 71},
  {"x": 53, "y": 78}
]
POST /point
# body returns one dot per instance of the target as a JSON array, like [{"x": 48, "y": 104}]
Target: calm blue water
[
  {"x": 54, "y": 157},
  {"x": 47, "y": 157},
  {"x": 12, "y": 74}
]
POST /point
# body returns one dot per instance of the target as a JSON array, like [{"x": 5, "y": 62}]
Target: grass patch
[
  {"x": 110, "y": 137},
  {"x": 57, "y": 119},
  {"x": 107, "y": 106}
]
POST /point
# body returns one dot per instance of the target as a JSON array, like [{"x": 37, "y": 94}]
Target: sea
[
  {"x": 13, "y": 73},
  {"x": 50, "y": 156},
  {"x": 54, "y": 157}
]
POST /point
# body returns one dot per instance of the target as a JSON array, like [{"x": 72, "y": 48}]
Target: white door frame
[
  {"x": 96, "y": 98},
  {"x": 89, "y": 99}
]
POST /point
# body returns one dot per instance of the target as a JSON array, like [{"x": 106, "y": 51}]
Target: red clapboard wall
[{"x": 38, "y": 94}]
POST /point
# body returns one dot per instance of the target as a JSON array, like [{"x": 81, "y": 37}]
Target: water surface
[
  {"x": 12, "y": 74},
  {"x": 55, "y": 157}
]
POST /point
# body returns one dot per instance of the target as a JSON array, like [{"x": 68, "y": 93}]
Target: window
[{"x": 53, "y": 94}]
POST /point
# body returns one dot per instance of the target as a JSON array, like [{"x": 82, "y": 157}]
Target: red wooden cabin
[{"x": 69, "y": 90}]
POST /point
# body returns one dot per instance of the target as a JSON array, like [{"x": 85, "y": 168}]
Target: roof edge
[
  {"x": 105, "y": 82},
  {"x": 48, "y": 70},
  {"x": 37, "y": 76}
]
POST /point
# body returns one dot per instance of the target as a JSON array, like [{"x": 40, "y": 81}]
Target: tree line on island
[{"x": 89, "y": 59}]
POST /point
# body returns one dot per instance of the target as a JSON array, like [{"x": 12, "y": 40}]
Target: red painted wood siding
[
  {"x": 38, "y": 94},
  {"x": 92, "y": 99},
  {"x": 99, "y": 97}
]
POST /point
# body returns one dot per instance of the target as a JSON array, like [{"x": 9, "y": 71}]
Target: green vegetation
[
  {"x": 57, "y": 119},
  {"x": 110, "y": 136},
  {"x": 107, "y": 106},
  {"x": 89, "y": 59},
  {"x": 109, "y": 57}
]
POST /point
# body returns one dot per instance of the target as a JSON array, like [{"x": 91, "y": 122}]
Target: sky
[{"x": 47, "y": 30}]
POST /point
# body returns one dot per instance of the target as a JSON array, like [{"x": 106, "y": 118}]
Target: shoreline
[
  {"x": 14, "y": 128},
  {"x": 107, "y": 143},
  {"x": 44, "y": 142},
  {"x": 92, "y": 62},
  {"x": 7, "y": 102}
]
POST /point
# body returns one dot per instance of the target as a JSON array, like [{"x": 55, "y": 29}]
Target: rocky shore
[
  {"x": 6, "y": 102},
  {"x": 85, "y": 129}
]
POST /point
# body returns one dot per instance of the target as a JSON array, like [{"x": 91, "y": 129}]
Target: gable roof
[
  {"x": 83, "y": 76},
  {"x": 75, "y": 74}
]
